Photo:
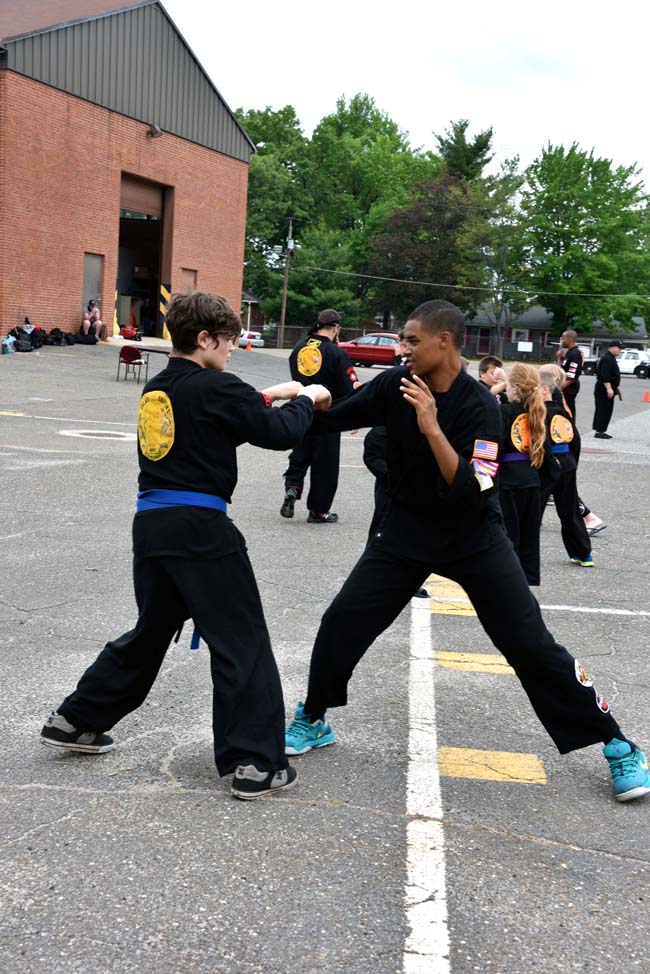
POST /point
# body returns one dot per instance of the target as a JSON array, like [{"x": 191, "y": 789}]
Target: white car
[
  {"x": 631, "y": 361},
  {"x": 253, "y": 338}
]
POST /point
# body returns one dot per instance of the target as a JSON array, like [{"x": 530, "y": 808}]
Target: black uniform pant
[
  {"x": 522, "y": 517},
  {"x": 567, "y": 507},
  {"x": 321, "y": 453},
  {"x": 223, "y": 600},
  {"x": 381, "y": 585},
  {"x": 604, "y": 408}
]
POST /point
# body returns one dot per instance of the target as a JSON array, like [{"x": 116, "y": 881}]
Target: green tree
[
  {"x": 463, "y": 158},
  {"x": 498, "y": 237},
  {"x": 434, "y": 238},
  {"x": 277, "y": 189},
  {"x": 361, "y": 159},
  {"x": 339, "y": 185},
  {"x": 585, "y": 232}
]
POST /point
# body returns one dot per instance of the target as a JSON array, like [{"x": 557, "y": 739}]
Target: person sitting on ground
[
  {"x": 92, "y": 324},
  {"x": 492, "y": 375}
]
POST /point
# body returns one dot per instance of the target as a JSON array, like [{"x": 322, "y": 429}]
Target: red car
[{"x": 379, "y": 348}]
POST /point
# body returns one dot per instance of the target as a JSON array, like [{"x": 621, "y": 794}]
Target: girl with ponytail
[{"x": 523, "y": 448}]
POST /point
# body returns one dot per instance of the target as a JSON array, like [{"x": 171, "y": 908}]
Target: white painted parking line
[
  {"x": 426, "y": 950},
  {"x": 100, "y": 435},
  {"x": 447, "y": 597},
  {"x": 556, "y": 608},
  {"x": 63, "y": 419}
]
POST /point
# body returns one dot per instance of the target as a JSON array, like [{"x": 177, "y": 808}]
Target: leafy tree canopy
[
  {"x": 463, "y": 158},
  {"x": 585, "y": 231}
]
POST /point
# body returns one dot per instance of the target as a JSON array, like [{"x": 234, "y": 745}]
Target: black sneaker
[
  {"x": 603, "y": 436},
  {"x": 329, "y": 518},
  {"x": 249, "y": 783},
  {"x": 289, "y": 502},
  {"x": 58, "y": 732}
]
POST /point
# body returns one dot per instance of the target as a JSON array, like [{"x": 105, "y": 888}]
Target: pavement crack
[{"x": 43, "y": 825}]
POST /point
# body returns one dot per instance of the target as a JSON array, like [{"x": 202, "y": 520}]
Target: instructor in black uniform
[
  {"x": 608, "y": 380},
  {"x": 571, "y": 362},
  {"x": 190, "y": 559},
  {"x": 317, "y": 358},
  {"x": 443, "y": 432}
]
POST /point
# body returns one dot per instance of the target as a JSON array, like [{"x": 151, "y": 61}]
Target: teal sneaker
[
  {"x": 587, "y": 562},
  {"x": 301, "y": 735},
  {"x": 629, "y": 768}
]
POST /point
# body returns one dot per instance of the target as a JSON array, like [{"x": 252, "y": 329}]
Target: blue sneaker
[
  {"x": 301, "y": 735},
  {"x": 629, "y": 768},
  {"x": 587, "y": 562}
]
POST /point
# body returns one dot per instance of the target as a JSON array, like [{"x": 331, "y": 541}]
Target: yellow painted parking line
[
  {"x": 474, "y": 662},
  {"x": 447, "y": 598},
  {"x": 10, "y": 412},
  {"x": 518, "y": 769}
]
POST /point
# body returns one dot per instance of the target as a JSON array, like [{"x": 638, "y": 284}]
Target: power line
[{"x": 469, "y": 287}]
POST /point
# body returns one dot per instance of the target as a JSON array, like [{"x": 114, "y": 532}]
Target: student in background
[
  {"x": 565, "y": 492},
  {"x": 522, "y": 453},
  {"x": 491, "y": 375}
]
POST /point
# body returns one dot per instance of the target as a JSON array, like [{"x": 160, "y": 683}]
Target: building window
[
  {"x": 520, "y": 335},
  {"x": 188, "y": 278}
]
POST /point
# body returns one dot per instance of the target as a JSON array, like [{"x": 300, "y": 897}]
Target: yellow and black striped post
[
  {"x": 165, "y": 295},
  {"x": 116, "y": 324}
]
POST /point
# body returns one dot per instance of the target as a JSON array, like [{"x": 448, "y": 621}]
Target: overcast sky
[{"x": 556, "y": 72}]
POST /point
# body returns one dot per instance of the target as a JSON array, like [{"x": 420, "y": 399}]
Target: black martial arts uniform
[
  {"x": 457, "y": 532},
  {"x": 520, "y": 490},
  {"x": 565, "y": 447},
  {"x": 374, "y": 457},
  {"x": 572, "y": 365},
  {"x": 191, "y": 562},
  {"x": 607, "y": 370},
  {"x": 501, "y": 397},
  {"x": 316, "y": 359}
]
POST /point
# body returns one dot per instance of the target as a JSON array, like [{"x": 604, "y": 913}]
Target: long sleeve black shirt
[{"x": 427, "y": 519}]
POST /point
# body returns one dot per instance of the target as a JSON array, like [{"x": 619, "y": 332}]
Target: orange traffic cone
[
  {"x": 249, "y": 348},
  {"x": 646, "y": 396}
]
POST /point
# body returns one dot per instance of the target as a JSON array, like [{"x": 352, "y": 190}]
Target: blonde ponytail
[{"x": 527, "y": 380}]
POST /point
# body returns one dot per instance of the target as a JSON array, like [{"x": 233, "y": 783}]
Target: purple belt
[{"x": 510, "y": 457}]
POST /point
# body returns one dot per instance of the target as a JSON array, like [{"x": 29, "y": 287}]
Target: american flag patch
[
  {"x": 485, "y": 450},
  {"x": 486, "y": 466}
]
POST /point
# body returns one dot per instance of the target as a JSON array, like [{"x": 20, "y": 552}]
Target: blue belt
[
  {"x": 158, "y": 500},
  {"x": 560, "y": 448},
  {"x": 511, "y": 457}
]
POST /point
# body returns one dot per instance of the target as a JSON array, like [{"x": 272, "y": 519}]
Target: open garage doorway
[{"x": 140, "y": 252}]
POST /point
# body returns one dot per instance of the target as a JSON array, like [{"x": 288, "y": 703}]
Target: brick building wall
[{"x": 61, "y": 161}]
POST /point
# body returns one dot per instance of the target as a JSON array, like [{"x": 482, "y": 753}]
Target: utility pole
[{"x": 285, "y": 286}]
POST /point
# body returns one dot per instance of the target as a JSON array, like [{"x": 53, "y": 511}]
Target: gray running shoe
[
  {"x": 249, "y": 783},
  {"x": 58, "y": 732}
]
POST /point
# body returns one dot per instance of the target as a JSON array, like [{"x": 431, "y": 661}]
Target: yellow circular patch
[
  {"x": 155, "y": 425},
  {"x": 561, "y": 430},
  {"x": 520, "y": 433},
  {"x": 309, "y": 360}
]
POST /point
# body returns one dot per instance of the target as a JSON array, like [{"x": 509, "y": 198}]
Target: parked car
[
  {"x": 253, "y": 338},
  {"x": 380, "y": 348},
  {"x": 631, "y": 361}
]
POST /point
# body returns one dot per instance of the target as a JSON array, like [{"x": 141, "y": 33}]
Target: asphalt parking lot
[{"x": 139, "y": 860}]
